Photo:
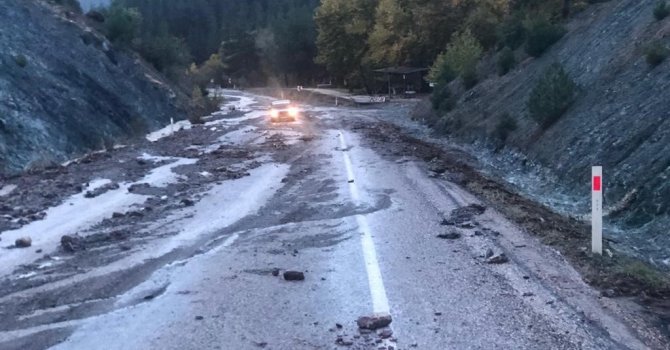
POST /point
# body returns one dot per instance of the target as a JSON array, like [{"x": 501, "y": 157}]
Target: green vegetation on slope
[
  {"x": 257, "y": 40},
  {"x": 552, "y": 96}
]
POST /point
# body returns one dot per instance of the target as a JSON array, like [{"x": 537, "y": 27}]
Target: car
[{"x": 284, "y": 110}]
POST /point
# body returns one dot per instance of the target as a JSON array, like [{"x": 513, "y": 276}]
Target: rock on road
[{"x": 365, "y": 228}]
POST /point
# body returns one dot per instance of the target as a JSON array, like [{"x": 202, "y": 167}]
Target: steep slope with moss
[
  {"x": 64, "y": 89},
  {"x": 620, "y": 118}
]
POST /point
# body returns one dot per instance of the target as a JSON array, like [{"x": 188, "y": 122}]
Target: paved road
[{"x": 362, "y": 226}]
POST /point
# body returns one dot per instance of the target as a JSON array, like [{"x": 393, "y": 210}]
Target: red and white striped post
[{"x": 597, "y": 210}]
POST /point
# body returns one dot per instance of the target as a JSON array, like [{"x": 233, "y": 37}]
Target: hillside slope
[
  {"x": 621, "y": 119},
  {"x": 65, "y": 90}
]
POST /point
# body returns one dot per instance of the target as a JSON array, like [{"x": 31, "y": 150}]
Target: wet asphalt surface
[{"x": 197, "y": 259}]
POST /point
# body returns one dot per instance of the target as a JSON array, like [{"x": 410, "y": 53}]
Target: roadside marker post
[{"x": 597, "y": 210}]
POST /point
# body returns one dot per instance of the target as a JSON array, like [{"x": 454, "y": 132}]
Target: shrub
[
  {"x": 197, "y": 105},
  {"x": 511, "y": 32},
  {"x": 552, "y": 96},
  {"x": 164, "y": 52},
  {"x": 462, "y": 55},
  {"x": 505, "y": 126},
  {"x": 122, "y": 24},
  {"x": 441, "y": 98},
  {"x": 210, "y": 70},
  {"x": 661, "y": 10},
  {"x": 646, "y": 276},
  {"x": 482, "y": 23},
  {"x": 202, "y": 105},
  {"x": 656, "y": 53},
  {"x": 540, "y": 35},
  {"x": 21, "y": 60},
  {"x": 506, "y": 61},
  {"x": 440, "y": 72}
]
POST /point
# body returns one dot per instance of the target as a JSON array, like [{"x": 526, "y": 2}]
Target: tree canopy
[{"x": 299, "y": 41}]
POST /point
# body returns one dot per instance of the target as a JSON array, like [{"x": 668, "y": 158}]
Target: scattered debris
[
  {"x": 386, "y": 333},
  {"x": 608, "y": 293},
  {"x": 374, "y": 322},
  {"x": 497, "y": 259},
  {"x": 344, "y": 341},
  {"x": 72, "y": 244},
  {"x": 294, "y": 276},
  {"x": 467, "y": 225},
  {"x": 488, "y": 254},
  {"x": 449, "y": 235},
  {"x": 23, "y": 242},
  {"x": 187, "y": 202},
  {"x": 102, "y": 189},
  {"x": 135, "y": 214},
  {"x": 464, "y": 215},
  {"x": 275, "y": 272}
]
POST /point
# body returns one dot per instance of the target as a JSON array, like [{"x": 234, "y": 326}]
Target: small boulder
[
  {"x": 449, "y": 235},
  {"x": 294, "y": 276},
  {"x": 135, "y": 214},
  {"x": 72, "y": 244},
  {"x": 187, "y": 202},
  {"x": 497, "y": 259},
  {"x": 385, "y": 333},
  {"x": 23, "y": 242},
  {"x": 374, "y": 322}
]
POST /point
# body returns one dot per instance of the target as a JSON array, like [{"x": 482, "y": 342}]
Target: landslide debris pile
[{"x": 64, "y": 89}]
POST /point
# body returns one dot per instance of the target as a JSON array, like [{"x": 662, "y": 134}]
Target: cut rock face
[{"x": 374, "y": 322}]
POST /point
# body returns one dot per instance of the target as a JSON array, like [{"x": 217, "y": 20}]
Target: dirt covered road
[{"x": 243, "y": 234}]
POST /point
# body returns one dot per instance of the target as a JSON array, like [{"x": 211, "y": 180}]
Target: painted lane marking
[{"x": 380, "y": 302}]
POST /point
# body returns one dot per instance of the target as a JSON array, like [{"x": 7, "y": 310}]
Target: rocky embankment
[
  {"x": 65, "y": 90},
  {"x": 620, "y": 120}
]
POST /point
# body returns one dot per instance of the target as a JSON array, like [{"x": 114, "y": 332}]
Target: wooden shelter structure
[{"x": 409, "y": 80}]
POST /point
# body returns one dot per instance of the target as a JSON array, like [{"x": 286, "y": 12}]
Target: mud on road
[
  {"x": 105, "y": 224},
  {"x": 614, "y": 275}
]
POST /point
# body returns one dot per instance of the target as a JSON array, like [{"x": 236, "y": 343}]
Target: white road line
[{"x": 380, "y": 303}]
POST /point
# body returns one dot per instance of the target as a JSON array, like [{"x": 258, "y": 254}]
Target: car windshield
[{"x": 281, "y": 103}]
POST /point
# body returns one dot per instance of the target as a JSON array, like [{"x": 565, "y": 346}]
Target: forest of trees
[
  {"x": 251, "y": 42},
  {"x": 290, "y": 42}
]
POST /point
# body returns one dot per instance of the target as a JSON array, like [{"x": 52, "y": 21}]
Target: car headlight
[
  {"x": 274, "y": 113},
  {"x": 293, "y": 112}
]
